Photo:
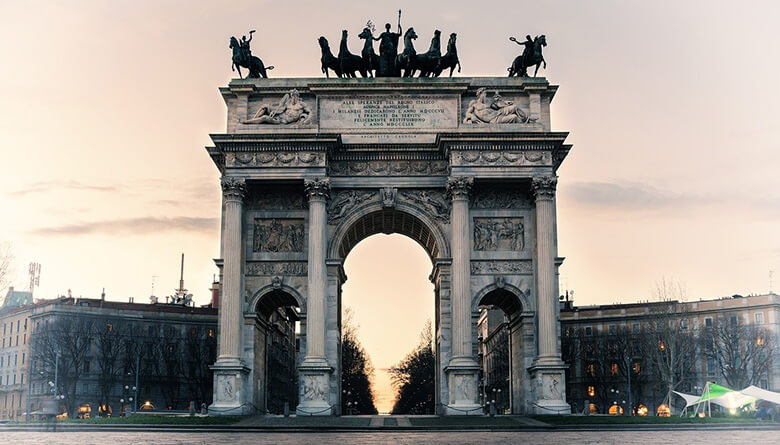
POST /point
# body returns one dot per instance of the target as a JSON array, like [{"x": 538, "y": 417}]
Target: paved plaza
[{"x": 399, "y": 438}]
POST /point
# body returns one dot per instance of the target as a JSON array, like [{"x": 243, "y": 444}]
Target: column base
[
  {"x": 462, "y": 377},
  {"x": 548, "y": 387},
  {"x": 314, "y": 380},
  {"x": 230, "y": 389}
]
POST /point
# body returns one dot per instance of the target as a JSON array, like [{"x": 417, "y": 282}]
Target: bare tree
[
  {"x": 199, "y": 353},
  {"x": 742, "y": 353},
  {"x": 108, "y": 345},
  {"x": 669, "y": 345},
  {"x": 61, "y": 348}
]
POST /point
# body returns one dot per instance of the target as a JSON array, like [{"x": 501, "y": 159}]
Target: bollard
[
  {"x": 492, "y": 409},
  {"x": 286, "y": 409},
  {"x": 204, "y": 409},
  {"x": 192, "y": 408}
]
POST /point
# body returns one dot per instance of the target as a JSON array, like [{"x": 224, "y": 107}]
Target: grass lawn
[{"x": 628, "y": 420}]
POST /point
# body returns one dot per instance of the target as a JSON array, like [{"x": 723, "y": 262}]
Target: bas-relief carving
[
  {"x": 276, "y": 268},
  {"x": 275, "y": 159},
  {"x": 313, "y": 387},
  {"x": 225, "y": 387},
  {"x": 278, "y": 235},
  {"x": 499, "y": 199},
  {"x": 501, "y": 267},
  {"x": 464, "y": 387},
  {"x": 549, "y": 387},
  {"x": 289, "y": 110},
  {"x": 432, "y": 201},
  {"x": 388, "y": 196},
  {"x": 498, "y": 234},
  {"x": 387, "y": 168},
  {"x": 503, "y": 158},
  {"x": 277, "y": 200},
  {"x": 346, "y": 200},
  {"x": 495, "y": 110}
]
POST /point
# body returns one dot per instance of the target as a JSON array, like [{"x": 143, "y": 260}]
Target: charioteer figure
[
  {"x": 532, "y": 55},
  {"x": 242, "y": 57},
  {"x": 388, "y": 50}
]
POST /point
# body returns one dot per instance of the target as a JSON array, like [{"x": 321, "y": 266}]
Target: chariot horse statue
[{"x": 532, "y": 55}]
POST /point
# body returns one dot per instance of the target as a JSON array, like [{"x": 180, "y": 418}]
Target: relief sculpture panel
[
  {"x": 278, "y": 235},
  {"x": 432, "y": 201},
  {"x": 388, "y": 168},
  {"x": 499, "y": 199},
  {"x": 346, "y": 200},
  {"x": 499, "y": 234}
]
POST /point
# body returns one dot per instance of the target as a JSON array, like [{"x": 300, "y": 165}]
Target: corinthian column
[
  {"x": 462, "y": 370},
  {"x": 233, "y": 192},
  {"x": 544, "y": 191},
  {"x": 314, "y": 372},
  {"x": 318, "y": 191}
]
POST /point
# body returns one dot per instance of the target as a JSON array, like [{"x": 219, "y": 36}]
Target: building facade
[
  {"x": 493, "y": 358},
  {"x": 14, "y": 361},
  {"x": 625, "y": 354}
]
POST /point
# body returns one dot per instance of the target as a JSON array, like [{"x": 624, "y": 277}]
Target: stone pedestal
[
  {"x": 548, "y": 386},
  {"x": 314, "y": 372},
  {"x": 231, "y": 391}
]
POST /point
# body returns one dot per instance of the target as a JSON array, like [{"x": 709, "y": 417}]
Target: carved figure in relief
[
  {"x": 430, "y": 202},
  {"x": 498, "y": 234},
  {"x": 496, "y": 110},
  {"x": 276, "y": 235},
  {"x": 498, "y": 199},
  {"x": 346, "y": 201},
  {"x": 465, "y": 387},
  {"x": 388, "y": 196},
  {"x": 290, "y": 110},
  {"x": 227, "y": 388},
  {"x": 312, "y": 388}
]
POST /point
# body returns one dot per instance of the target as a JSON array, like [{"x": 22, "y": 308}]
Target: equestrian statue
[
  {"x": 242, "y": 57},
  {"x": 532, "y": 55}
]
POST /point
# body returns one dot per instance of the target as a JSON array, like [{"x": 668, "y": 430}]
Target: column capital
[
  {"x": 544, "y": 186},
  {"x": 317, "y": 188},
  {"x": 459, "y": 187},
  {"x": 233, "y": 189}
]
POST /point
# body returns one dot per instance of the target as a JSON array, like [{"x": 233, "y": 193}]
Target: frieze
[
  {"x": 345, "y": 201},
  {"x": 388, "y": 168},
  {"x": 501, "y": 267},
  {"x": 499, "y": 199},
  {"x": 276, "y": 268},
  {"x": 278, "y": 235},
  {"x": 499, "y": 234},
  {"x": 502, "y": 158},
  {"x": 433, "y": 202},
  {"x": 277, "y": 200},
  {"x": 275, "y": 159}
]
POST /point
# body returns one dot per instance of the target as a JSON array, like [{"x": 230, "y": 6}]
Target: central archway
[{"x": 414, "y": 223}]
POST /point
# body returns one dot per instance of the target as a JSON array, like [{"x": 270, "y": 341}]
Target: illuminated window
[
  {"x": 593, "y": 408},
  {"x": 211, "y": 332},
  {"x": 760, "y": 340},
  {"x": 661, "y": 345},
  {"x": 637, "y": 367},
  {"x": 615, "y": 410},
  {"x": 591, "y": 370},
  {"x": 663, "y": 410},
  {"x": 614, "y": 369},
  {"x": 591, "y": 391},
  {"x": 641, "y": 410},
  {"x": 109, "y": 327}
]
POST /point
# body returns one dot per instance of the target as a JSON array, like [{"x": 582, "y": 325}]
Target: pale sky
[{"x": 672, "y": 109}]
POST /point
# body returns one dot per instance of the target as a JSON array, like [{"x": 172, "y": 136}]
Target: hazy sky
[{"x": 672, "y": 108}]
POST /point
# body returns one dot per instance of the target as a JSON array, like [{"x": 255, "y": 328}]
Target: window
[
  {"x": 615, "y": 410},
  {"x": 663, "y": 410},
  {"x": 22, "y": 357},
  {"x": 641, "y": 410},
  {"x": 109, "y": 327},
  {"x": 661, "y": 345},
  {"x": 710, "y": 366},
  {"x": 25, "y": 324},
  {"x": 635, "y": 328},
  {"x": 733, "y": 320},
  {"x": 211, "y": 333},
  {"x": 760, "y": 339},
  {"x": 591, "y": 391},
  {"x": 614, "y": 369},
  {"x": 612, "y": 329},
  {"x": 708, "y": 322},
  {"x": 637, "y": 368},
  {"x": 588, "y": 331},
  {"x": 86, "y": 366},
  {"x": 591, "y": 369},
  {"x": 759, "y": 318},
  {"x": 684, "y": 324}
]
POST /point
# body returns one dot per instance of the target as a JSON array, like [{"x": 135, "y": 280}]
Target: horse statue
[
  {"x": 370, "y": 59},
  {"x": 429, "y": 61},
  {"x": 407, "y": 60},
  {"x": 242, "y": 57},
  {"x": 329, "y": 61},
  {"x": 449, "y": 60},
  {"x": 534, "y": 57},
  {"x": 349, "y": 62}
]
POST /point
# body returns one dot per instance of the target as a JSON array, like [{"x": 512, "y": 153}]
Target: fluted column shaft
[
  {"x": 233, "y": 192},
  {"x": 459, "y": 189},
  {"x": 317, "y": 190},
  {"x": 544, "y": 190}
]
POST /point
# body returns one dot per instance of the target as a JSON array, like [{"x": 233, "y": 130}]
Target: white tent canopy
[
  {"x": 690, "y": 399},
  {"x": 762, "y": 394},
  {"x": 728, "y": 398}
]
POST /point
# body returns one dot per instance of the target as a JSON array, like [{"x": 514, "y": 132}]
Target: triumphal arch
[{"x": 464, "y": 166}]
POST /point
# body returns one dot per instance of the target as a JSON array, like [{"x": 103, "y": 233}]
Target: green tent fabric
[{"x": 715, "y": 390}]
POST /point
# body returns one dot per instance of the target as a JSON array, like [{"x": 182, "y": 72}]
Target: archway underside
[{"x": 387, "y": 222}]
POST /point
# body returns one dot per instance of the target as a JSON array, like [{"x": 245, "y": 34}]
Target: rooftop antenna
[
  {"x": 180, "y": 295},
  {"x": 771, "y": 273},
  {"x": 35, "y": 276}
]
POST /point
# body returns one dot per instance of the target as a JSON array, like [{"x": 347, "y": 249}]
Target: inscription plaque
[{"x": 394, "y": 112}]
